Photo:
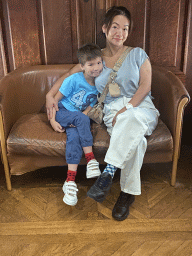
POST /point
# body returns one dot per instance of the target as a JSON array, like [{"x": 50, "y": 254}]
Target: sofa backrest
[{"x": 24, "y": 90}]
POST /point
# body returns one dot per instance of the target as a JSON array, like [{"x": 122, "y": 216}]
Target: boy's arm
[
  {"x": 50, "y": 97},
  {"x": 86, "y": 111}
]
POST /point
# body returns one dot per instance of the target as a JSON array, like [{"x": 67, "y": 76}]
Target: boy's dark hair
[{"x": 88, "y": 52}]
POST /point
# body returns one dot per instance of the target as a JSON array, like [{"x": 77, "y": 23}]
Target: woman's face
[{"x": 118, "y": 32}]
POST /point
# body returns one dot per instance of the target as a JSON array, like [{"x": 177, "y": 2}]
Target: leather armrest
[{"x": 168, "y": 92}]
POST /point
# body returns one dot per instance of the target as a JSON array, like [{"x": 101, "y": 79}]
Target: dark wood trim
[
  {"x": 8, "y": 36},
  {"x": 3, "y": 64},
  {"x": 41, "y": 30}
]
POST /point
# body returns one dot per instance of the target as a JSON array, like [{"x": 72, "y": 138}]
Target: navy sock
[{"x": 111, "y": 169}]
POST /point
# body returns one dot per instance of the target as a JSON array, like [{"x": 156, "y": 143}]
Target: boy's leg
[
  {"x": 70, "y": 187},
  {"x": 73, "y": 156},
  {"x": 92, "y": 164},
  {"x": 73, "y": 150},
  {"x": 80, "y": 121},
  {"x": 82, "y": 124},
  {"x": 72, "y": 171}
]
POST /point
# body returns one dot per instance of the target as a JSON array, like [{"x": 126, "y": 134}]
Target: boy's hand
[
  {"x": 56, "y": 126},
  {"x": 85, "y": 112}
]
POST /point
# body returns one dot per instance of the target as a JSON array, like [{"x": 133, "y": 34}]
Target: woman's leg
[
  {"x": 130, "y": 183},
  {"x": 128, "y": 144},
  {"x": 130, "y": 174},
  {"x": 124, "y": 149},
  {"x": 135, "y": 124}
]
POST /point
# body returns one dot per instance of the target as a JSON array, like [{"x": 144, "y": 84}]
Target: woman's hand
[
  {"x": 56, "y": 126},
  {"x": 119, "y": 112},
  {"x": 50, "y": 104}
]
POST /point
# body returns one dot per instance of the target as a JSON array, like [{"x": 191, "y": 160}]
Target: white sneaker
[
  {"x": 70, "y": 191},
  {"x": 93, "y": 169}
]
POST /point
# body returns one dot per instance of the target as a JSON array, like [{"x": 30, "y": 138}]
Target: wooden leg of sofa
[
  {"x": 178, "y": 133},
  {"x": 7, "y": 177},
  {"x": 4, "y": 154},
  {"x": 6, "y": 167},
  {"x": 174, "y": 172}
]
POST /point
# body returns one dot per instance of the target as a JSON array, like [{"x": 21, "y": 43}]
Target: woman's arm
[
  {"x": 50, "y": 100},
  {"x": 55, "y": 125},
  {"x": 144, "y": 84},
  {"x": 143, "y": 90},
  {"x": 58, "y": 97}
]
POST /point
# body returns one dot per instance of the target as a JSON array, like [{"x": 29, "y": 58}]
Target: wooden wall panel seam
[
  {"x": 188, "y": 29},
  {"x": 2, "y": 50},
  {"x": 10, "y": 41},
  {"x": 94, "y": 37},
  {"x": 145, "y": 26},
  {"x": 43, "y": 32},
  {"x": 177, "y": 37},
  {"x": 78, "y": 24}
]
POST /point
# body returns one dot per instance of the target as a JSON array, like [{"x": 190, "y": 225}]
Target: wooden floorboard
[
  {"x": 35, "y": 221},
  {"x": 95, "y": 227}
]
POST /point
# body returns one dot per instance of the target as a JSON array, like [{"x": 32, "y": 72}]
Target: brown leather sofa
[{"x": 28, "y": 142}]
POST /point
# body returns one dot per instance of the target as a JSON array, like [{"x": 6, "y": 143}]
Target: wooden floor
[{"x": 35, "y": 221}]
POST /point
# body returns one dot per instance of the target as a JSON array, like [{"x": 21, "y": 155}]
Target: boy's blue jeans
[{"x": 78, "y": 136}]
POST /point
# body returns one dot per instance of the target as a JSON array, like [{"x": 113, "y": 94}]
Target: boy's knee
[{"x": 84, "y": 118}]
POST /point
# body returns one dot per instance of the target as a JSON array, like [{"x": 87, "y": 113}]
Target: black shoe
[
  {"x": 100, "y": 188},
  {"x": 121, "y": 208}
]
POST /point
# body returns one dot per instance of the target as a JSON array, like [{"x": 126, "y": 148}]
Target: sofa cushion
[{"x": 32, "y": 134}]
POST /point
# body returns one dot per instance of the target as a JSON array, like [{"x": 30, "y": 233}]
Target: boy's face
[{"x": 93, "y": 67}]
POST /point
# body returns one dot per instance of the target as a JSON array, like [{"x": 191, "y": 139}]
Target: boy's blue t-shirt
[{"x": 78, "y": 93}]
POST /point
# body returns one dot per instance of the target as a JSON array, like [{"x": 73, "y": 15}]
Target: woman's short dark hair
[
  {"x": 88, "y": 52},
  {"x": 114, "y": 11}
]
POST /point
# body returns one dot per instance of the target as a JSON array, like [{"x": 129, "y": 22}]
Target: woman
[{"x": 129, "y": 117}]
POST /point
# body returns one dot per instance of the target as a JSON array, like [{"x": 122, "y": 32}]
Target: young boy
[{"x": 76, "y": 96}]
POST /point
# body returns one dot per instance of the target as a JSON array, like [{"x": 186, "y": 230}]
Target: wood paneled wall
[{"x": 50, "y": 32}]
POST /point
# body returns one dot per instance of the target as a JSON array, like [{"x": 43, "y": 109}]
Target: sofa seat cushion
[
  {"x": 159, "y": 141},
  {"x": 32, "y": 134}
]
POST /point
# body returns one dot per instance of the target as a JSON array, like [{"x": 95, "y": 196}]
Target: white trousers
[{"x": 128, "y": 143}]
